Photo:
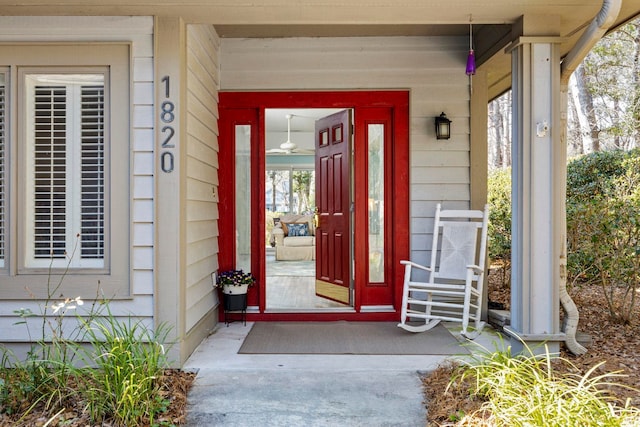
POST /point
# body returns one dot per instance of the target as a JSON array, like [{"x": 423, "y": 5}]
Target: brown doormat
[{"x": 347, "y": 338}]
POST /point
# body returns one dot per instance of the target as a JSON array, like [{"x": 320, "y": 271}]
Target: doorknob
[{"x": 316, "y": 218}]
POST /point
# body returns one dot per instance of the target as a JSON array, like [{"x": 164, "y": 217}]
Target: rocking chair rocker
[{"x": 454, "y": 280}]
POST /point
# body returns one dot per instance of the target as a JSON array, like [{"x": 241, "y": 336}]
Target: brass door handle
[{"x": 316, "y": 219}]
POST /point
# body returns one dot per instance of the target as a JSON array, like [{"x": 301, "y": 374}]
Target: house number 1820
[{"x": 167, "y": 115}]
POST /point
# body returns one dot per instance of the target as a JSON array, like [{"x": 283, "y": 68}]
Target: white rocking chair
[{"x": 454, "y": 281}]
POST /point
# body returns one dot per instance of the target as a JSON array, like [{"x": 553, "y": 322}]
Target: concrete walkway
[{"x": 234, "y": 389}]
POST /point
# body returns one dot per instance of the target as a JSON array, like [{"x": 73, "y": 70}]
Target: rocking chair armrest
[
  {"x": 476, "y": 269},
  {"x": 413, "y": 264}
]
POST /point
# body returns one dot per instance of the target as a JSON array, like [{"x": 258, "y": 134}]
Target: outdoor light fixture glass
[
  {"x": 471, "y": 58},
  {"x": 443, "y": 127}
]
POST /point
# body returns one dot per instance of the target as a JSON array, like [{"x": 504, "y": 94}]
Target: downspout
[{"x": 596, "y": 30}]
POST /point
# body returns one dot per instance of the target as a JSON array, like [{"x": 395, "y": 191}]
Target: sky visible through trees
[{"x": 604, "y": 101}]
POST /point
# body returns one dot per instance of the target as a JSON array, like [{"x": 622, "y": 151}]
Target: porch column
[
  {"x": 537, "y": 199},
  {"x": 169, "y": 120}
]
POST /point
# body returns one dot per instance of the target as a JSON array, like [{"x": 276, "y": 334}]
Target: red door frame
[{"x": 389, "y": 107}]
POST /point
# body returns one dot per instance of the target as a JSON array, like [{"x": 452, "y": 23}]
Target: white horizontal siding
[
  {"x": 139, "y": 32},
  {"x": 431, "y": 68},
  {"x": 117, "y": 307},
  {"x": 143, "y": 167},
  {"x": 203, "y": 46}
]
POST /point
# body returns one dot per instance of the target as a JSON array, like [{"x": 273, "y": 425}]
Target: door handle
[{"x": 316, "y": 218}]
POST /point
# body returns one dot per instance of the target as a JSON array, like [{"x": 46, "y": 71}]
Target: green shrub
[
  {"x": 499, "y": 198},
  {"x": 589, "y": 178},
  {"x": 603, "y": 226},
  {"x": 591, "y": 174}
]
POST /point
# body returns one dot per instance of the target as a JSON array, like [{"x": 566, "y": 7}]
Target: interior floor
[{"x": 291, "y": 286}]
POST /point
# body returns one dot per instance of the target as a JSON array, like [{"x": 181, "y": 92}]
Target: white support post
[{"x": 537, "y": 208}]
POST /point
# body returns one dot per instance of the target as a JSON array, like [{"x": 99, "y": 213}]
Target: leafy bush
[
  {"x": 500, "y": 214},
  {"x": 603, "y": 226},
  {"x": 591, "y": 175},
  {"x": 588, "y": 179},
  {"x": 524, "y": 390},
  {"x": 499, "y": 197}
]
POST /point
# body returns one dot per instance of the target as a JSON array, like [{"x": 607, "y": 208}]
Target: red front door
[{"x": 333, "y": 201}]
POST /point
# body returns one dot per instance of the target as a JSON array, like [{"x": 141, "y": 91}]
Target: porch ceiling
[{"x": 323, "y": 18}]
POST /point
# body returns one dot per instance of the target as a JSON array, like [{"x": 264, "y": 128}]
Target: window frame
[
  {"x": 114, "y": 279},
  {"x": 73, "y": 170}
]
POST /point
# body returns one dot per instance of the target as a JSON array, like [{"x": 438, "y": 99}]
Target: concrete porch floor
[{"x": 234, "y": 389}]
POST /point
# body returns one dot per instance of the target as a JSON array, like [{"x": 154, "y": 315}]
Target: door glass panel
[
  {"x": 375, "y": 140},
  {"x": 243, "y": 197}
]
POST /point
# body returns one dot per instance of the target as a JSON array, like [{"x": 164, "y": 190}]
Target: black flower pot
[{"x": 235, "y": 302}]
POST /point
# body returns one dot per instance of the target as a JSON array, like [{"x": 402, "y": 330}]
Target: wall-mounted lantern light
[{"x": 443, "y": 127}]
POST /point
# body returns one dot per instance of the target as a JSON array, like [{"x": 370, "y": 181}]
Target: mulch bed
[
  {"x": 175, "y": 385},
  {"x": 618, "y": 346}
]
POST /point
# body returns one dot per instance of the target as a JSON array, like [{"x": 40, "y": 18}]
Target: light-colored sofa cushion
[{"x": 294, "y": 238}]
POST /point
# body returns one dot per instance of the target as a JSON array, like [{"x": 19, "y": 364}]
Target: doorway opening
[{"x": 290, "y": 203}]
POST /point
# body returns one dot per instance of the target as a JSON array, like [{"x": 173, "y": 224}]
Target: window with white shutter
[
  {"x": 65, "y": 137},
  {"x": 65, "y": 169}
]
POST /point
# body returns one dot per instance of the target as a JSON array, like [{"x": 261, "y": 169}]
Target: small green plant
[
  {"x": 129, "y": 362},
  {"x": 116, "y": 375},
  {"x": 524, "y": 390}
]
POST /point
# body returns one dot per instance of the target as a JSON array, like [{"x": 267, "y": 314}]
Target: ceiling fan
[{"x": 289, "y": 147}]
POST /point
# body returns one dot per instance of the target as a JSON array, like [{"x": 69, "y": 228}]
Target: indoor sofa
[{"x": 294, "y": 238}]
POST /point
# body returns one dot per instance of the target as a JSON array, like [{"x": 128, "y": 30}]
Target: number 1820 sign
[{"x": 167, "y": 116}]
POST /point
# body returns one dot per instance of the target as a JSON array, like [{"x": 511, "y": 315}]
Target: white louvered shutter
[
  {"x": 92, "y": 181},
  {"x": 68, "y": 157}
]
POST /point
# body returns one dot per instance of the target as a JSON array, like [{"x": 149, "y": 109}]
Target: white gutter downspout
[{"x": 596, "y": 30}]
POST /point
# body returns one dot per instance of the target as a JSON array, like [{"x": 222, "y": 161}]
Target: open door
[{"x": 333, "y": 200}]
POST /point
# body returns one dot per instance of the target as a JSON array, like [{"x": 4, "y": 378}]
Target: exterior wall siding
[
  {"x": 139, "y": 32},
  {"x": 431, "y": 68},
  {"x": 201, "y": 173}
]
